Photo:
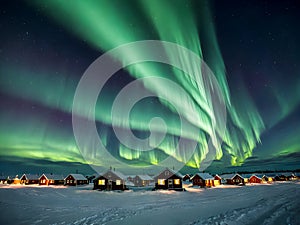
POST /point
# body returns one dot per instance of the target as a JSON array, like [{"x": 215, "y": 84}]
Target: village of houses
[{"x": 168, "y": 179}]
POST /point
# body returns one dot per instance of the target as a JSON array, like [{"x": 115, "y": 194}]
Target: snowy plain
[{"x": 277, "y": 203}]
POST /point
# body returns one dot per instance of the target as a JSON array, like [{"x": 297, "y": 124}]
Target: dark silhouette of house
[
  {"x": 110, "y": 180},
  {"x": 186, "y": 177},
  {"x": 234, "y": 179},
  {"x": 29, "y": 179},
  {"x": 203, "y": 180},
  {"x": 169, "y": 180},
  {"x": 74, "y": 179}
]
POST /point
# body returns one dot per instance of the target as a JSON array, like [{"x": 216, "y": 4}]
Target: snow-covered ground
[{"x": 278, "y": 203}]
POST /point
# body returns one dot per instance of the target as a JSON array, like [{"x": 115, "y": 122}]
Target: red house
[
  {"x": 202, "y": 180},
  {"x": 255, "y": 179},
  {"x": 51, "y": 179},
  {"x": 29, "y": 179}
]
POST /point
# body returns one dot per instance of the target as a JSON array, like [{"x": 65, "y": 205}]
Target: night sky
[{"x": 251, "y": 47}]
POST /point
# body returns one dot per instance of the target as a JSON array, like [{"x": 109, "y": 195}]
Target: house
[
  {"x": 51, "y": 179},
  {"x": 169, "y": 180},
  {"x": 110, "y": 180},
  {"x": 74, "y": 179},
  {"x": 280, "y": 177},
  {"x": 130, "y": 178},
  {"x": 142, "y": 180},
  {"x": 217, "y": 180},
  {"x": 246, "y": 177},
  {"x": 255, "y": 179},
  {"x": 186, "y": 177},
  {"x": 297, "y": 176},
  {"x": 3, "y": 179},
  {"x": 90, "y": 178},
  {"x": 234, "y": 179},
  {"x": 29, "y": 179},
  {"x": 13, "y": 179},
  {"x": 203, "y": 180}
]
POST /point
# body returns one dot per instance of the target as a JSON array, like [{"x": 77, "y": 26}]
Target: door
[
  {"x": 170, "y": 183},
  {"x": 109, "y": 185}
]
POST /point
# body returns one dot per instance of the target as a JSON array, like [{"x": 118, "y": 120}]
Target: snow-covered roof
[
  {"x": 172, "y": 171},
  {"x": 31, "y": 176},
  {"x": 77, "y": 176},
  {"x": 247, "y": 175},
  {"x": 257, "y": 175},
  {"x": 145, "y": 177},
  {"x": 204, "y": 176},
  {"x": 128, "y": 183},
  {"x": 230, "y": 176},
  {"x": 117, "y": 173},
  {"x": 287, "y": 174},
  {"x": 53, "y": 176}
]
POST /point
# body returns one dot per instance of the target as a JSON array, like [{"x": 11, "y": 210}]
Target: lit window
[
  {"x": 161, "y": 182},
  {"x": 118, "y": 182},
  {"x": 176, "y": 181},
  {"x": 101, "y": 182},
  {"x": 68, "y": 181}
]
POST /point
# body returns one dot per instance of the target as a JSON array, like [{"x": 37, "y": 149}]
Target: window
[
  {"x": 101, "y": 182},
  {"x": 167, "y": 173},
  {"x": 68, "y": 181},
  {"x": 161, "y": 182},
  {"x": 177, "y": 181},
  {"x": 118, "y": 182}
]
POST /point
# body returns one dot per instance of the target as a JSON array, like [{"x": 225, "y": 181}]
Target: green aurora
[{"x": 105, "y": 25}]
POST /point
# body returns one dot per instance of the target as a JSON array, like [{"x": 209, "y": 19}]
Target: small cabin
[
  {"x": 130, "y": 178},
  {"x": 233, "y": 179},
  {"x": 110, "y": 180},
  {"x": 75, "y": 179},
  {"x": 142, "y": 180},
  {"x": 246, "y": 177},
  {"x": 169, "y": 180},
  {"x": 217, "y": 180},
  {"x": 29, "y": 179},
  {"x": 51, "y": 179},
  {"x": 13, "y": 179},
  {"x": 187, "y": 178},
  {"x": 203, "y": 180},
  {"x": 255, "y": 179},
  {"x": 3, "y": 179}
]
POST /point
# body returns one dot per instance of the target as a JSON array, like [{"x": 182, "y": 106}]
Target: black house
[
  {"x": 169, "y": 180},
  {"x": 110, "y": 180}
]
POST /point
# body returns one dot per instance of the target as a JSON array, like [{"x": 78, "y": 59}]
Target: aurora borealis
[{"x": 252, "y": 49}]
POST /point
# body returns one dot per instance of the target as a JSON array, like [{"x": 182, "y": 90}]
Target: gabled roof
[
  {"x": 52, "y": 176},
  {"x": 172, "y": 171},
  {"x": 77, "y": 176},
  {"x": 145, "y": 177},
  {"x": 247, "y": 175},
  {"x": 117, "y": 173},
  {"x": 230, "y": 176},
  {"x": 257, "y": 175},
  {"x": 30, "y": 176},
  {"x": 204, "y": 176}
]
